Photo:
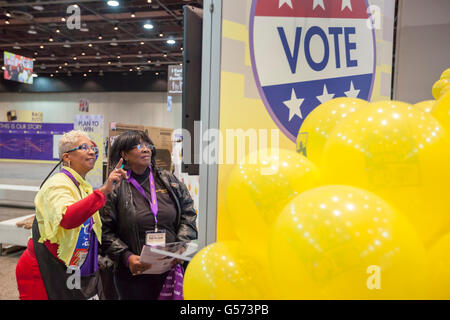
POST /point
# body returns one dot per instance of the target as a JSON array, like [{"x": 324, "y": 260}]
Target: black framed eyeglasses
[
  {"x": 85, "y": 147},
  {"x": 144, "y": 145}
]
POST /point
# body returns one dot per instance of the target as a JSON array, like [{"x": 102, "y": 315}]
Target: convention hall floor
[{"x": 21, "y": 175}]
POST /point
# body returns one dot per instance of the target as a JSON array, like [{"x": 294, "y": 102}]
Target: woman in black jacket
[{"x": 131, "y": 211}]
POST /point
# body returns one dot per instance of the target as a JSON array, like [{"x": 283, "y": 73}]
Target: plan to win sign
[{"x": 93, "y": 126}]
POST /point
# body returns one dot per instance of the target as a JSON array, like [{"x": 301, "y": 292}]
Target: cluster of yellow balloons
[{"x": 363, "y": 213}]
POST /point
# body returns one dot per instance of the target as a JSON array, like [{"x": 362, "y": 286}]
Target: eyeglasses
[
  {"x": 144, "y": 145},
  {"x": 85, "y": 147}
]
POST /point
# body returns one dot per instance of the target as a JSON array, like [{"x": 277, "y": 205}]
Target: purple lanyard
[
  {"x": 154, "y": 202},
  {"x": 71, "y": 177}
]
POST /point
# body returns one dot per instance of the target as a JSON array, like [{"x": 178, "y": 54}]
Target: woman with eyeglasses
[
  {"x": 60, "y": 261},
  {"x": 152, "y": 201}
]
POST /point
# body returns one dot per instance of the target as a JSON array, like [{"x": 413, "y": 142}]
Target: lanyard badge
[
  {"x": 153, "y": 203},
  {"x": 155, "y": 237}
]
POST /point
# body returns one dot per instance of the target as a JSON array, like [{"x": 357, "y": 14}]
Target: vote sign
[{"x": 306, "y": 52}]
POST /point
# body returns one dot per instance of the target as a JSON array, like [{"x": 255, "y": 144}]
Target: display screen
[{"x": 18, "y": 68}]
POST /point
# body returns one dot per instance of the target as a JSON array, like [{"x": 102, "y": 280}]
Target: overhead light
[
  {"x": 116, "y": 27},
  {"x": 74, "y": 58},
  {"x": 31, "y": 30},
  {"x": 142, "y": 42},
  {"x": 8, "y": 14},
  {"x": 149, "y": 61},
  {"x": 51, "y": 75},
  {"x": 113, "y": 3},
  {"x": 156, "y": 73},
  {"x": 165, "y": 55},
  {"x": 65, "y": 63},
  {"x": 90, "y": 45},
  {"x": 51, "y": 39},
  {"x": 35, "y": 75},
  {"x": 66, "y": 44},
  {"x": 118, "y": 57},
  {"x": 133, "y": 15},
  {"x": 57, "y": 30},
  {"x": 131, "y": 69},
  {"x": 148, "y": 26},
  {"x": 7, "y": 21},
  {"x": 181, "y": 48},
  {"x": 170, "y": 41},
  {"x": 100, "y": 37},
  {"x": 35, "y": 53},
  {"x": 63, "y": 19},
  {"x": 161, "y": 35},
  {"x": 42, "y": 47},
  {"x": 113, "y": 43},
  {"x": 149, "y": 1},
  {"x": 83, "y": 53},
  {"x": 56, "y": 71},
  {"x": 90, "y": 70},
  {"x": 38, "y": 8},
  {"x": 16, "y": 46},
  {"x": 84, "y": 75},
  {"x": 3, "y": 68},
  {"x": 109, "y": 62},
  {"x": 59, "y": 67}
]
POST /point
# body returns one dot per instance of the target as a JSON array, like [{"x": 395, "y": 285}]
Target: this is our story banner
[{"x": 31, "y": 141}]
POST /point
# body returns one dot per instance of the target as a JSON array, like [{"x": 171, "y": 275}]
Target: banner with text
[
  {"x": 31, "y": 141},
  {"x": 93, "y": 126}
]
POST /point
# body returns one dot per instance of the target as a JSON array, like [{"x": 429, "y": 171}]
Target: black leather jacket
[{"x": 120, "y": 235}]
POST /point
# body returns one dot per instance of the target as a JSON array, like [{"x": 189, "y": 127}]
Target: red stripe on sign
[{"x": 350, "y": 9}]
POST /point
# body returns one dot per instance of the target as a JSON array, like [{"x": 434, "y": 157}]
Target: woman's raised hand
[{"x": 115, "y": 177}]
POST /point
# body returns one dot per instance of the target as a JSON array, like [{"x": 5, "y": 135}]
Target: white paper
[
  {"x": 161, "y": 257},
  {"x": 160, "y": 263}
]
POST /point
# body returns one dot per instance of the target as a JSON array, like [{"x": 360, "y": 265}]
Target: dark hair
[{"x": 127, "y": 141}]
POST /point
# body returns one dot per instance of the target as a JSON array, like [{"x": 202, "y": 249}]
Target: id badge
[{"x": 155, "y": 238}]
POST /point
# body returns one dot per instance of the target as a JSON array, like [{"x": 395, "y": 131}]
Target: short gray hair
[{"x": 68, "y": 141}]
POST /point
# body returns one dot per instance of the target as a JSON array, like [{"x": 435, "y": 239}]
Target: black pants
[{"x": 142, "y": 287}]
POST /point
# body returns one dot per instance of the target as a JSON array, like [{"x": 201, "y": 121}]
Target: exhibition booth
[{"x": 312, "y": 135}]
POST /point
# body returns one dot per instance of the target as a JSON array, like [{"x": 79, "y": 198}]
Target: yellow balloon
[
  {"x": 258, "y": 190},
  {"x": 439, "y": 87},
  {"x": 320, "y": 122},
  {"x": 224, "y": 271},
  {"x": 446, "y": 74},
  {"x": 425, "y": 106},
  {"x": 341, "y": 242},
  {"x": 441, "y": 111},
  {"x": 400, "y": 153},
  {"x": 439, "y": 257}
]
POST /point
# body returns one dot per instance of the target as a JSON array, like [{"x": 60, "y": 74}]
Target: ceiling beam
[
  {"x": 122, "y": 56},
  {"x": 93, "y": 42},
  {"x": 92, "y": 18},
  {"x": 37, "y": 69},
  {"x": 42, "y": 3}
]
